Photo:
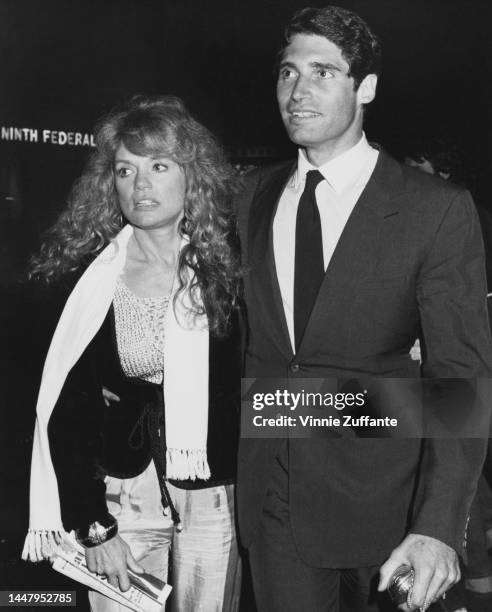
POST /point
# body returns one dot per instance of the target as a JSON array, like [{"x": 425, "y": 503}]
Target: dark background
[{"x": 64, "y": 63}]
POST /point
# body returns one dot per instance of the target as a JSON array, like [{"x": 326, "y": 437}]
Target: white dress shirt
[{"x": 345, "y": 179}]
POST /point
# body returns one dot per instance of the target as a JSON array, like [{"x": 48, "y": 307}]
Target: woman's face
[{"x": 151, "y": 190}]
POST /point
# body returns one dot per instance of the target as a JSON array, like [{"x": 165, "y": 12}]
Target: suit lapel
[
  {"x": 263, "y": 274},
  {"x": 359, "y": 236}
]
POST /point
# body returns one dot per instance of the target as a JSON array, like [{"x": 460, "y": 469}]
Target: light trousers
[{"x": 201, "y": 562}]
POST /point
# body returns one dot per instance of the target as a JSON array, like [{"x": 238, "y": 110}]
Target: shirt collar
[{"x": 340, "y": 172}]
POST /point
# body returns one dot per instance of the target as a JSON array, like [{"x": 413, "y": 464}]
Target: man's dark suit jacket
[{"x": 409, "y": 262}]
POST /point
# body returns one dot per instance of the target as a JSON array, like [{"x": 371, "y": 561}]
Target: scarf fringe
[
  {"x": 187, "y": 464},
  {"x": 43, "y": 545}
]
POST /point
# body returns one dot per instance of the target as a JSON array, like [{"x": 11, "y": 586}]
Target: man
[{"x": 349, "y": 255}]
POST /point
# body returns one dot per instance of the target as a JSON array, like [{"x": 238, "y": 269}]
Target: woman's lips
[{"x": 146, "y": 203}]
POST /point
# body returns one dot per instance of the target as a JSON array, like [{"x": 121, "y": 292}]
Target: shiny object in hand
[{"x": 401, "y": 584}]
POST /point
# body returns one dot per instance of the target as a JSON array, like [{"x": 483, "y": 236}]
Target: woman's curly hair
[{"x": 155, "y": 126}]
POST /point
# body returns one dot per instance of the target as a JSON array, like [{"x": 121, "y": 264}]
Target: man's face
[{"x": 320, "y": 109}]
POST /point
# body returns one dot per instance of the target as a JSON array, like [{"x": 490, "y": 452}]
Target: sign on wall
[{"x": 46, "y": 136}]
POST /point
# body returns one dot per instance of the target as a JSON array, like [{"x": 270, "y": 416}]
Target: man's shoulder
[
  {"x": 256, "y": 180},
  {"x": 256, "y": 177},
  {"x": 419, "y": 190},
  {"x": 419, "y": 181}
]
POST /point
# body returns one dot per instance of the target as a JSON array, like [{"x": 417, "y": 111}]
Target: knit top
[{"x": 139, "y": 323}]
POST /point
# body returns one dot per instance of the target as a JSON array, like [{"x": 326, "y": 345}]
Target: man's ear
[{"x": 367, "y": 89}]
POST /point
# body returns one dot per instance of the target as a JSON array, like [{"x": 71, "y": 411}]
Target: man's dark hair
[{"x": 360, "y": 47}]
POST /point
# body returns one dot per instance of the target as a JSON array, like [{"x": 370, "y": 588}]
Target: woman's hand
[
  {"x": 415, "y": 352},
  {"x": 109, "y": 396},
  {"x": 113, "y": 558}
]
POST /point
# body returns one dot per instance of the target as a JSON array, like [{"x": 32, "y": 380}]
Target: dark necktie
[{"x": 308, "y": 268}]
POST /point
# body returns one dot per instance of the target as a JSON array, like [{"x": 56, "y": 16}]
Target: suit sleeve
[{"x": 451, "y": 294}]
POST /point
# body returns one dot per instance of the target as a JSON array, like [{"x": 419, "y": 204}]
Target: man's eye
[
  {"x": 123, "y": 172},
  {"x": 160, "y": 167},
  {"x": 325, "y": 74}
]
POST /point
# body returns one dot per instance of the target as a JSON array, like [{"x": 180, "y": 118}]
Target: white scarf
[{"x": 185, "y": 389}]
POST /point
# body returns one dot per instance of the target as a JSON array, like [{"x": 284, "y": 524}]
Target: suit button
[{"x": 294, "y": 367}]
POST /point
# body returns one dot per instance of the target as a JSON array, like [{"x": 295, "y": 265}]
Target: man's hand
[
  {"x": 112, "y": 558},
  {"x": 436, "y": 569}
]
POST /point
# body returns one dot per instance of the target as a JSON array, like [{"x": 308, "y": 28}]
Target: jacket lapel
[
  {"x": 359, "y": 236},
  {"x": 263, "y": 276}
]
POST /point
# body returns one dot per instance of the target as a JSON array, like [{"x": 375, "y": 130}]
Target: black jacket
[{"x": 89, "y": 440}]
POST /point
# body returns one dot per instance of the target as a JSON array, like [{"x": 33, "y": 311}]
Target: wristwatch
[{"x": 98, "y": 532}]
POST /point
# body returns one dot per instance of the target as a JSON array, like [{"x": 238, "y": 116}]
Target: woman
[{"x": 140, "y": 385}]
